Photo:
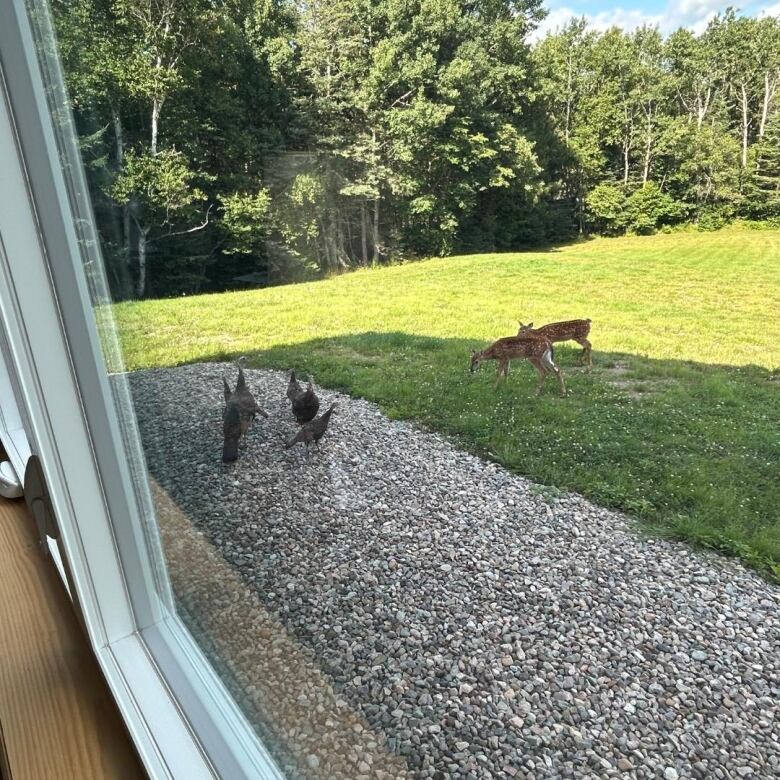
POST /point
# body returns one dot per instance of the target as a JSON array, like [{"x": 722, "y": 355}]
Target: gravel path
[{"x": 478, "y": 627}]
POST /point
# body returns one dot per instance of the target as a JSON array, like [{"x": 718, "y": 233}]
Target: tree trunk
[
  {"x": 156, "y": 108},
  {"x": 157, "y": 101},
  {"x": 349, "y": 241},
  {"x": 648, "y": 148},
  {"x": 333, "y": 252},
  {"x": 769, "y": 92},
  {"x": 120, "y": 161},
  {"x": 364, "y": 232},
  {"x": 126, "y": 236},
  {"x": 626, "y": 150},
  {"x": 140, "y": 289},
  {"x": 342, "y": 255},
  {"x": 568, "y": 101},
  {"x": 376, "y": 230},
  {"x": 745, "y": 125},
  {"x": 325, "y": 244},
  {"x": 119, "y": 141}
]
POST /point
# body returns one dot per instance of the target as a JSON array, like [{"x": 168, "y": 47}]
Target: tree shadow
[{"x": 689, "y": 449}]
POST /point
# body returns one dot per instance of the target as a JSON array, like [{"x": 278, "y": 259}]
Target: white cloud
[
  {"x": 556, "y": 19},
  {"x": 772, "y": 10},
  {"x": 626, "y": 18},
  {"x": 694, "y": 14},
  {"x": 693, "y": 11}
]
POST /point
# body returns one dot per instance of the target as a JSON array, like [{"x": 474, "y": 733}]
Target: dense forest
[{"x": 262, "y": 141}]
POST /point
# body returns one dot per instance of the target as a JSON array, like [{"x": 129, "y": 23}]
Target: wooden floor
[{"x": 57, "y": 718}]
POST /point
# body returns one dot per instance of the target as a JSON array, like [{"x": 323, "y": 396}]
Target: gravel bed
[{"x": 480, "y": 627}]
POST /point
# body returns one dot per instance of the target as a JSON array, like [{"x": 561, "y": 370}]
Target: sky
[{"x": 668, "y": 15}]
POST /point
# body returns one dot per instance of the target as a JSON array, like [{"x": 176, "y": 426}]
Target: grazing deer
[
  {"x": 570, "y": 330},
  {"x": 537, "y": 351}
]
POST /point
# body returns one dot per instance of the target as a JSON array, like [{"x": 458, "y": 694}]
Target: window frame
[{"x": 178, "y": 712}]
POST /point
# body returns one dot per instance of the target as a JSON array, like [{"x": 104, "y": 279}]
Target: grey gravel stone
[{"x": 476, "y": 625}]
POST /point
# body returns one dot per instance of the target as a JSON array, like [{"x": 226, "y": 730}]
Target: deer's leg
[
  {"x": 537, "y": 364},
  {"x": 503, "y": 365},
  {"x": 586, "y": 350},
  {"x": 547, "y": 362}
]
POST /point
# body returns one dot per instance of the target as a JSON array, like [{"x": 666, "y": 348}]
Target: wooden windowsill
[{"x": 57, "y": 717}]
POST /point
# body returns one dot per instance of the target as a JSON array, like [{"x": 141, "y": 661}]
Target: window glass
[{"x": 316, "y": 237}]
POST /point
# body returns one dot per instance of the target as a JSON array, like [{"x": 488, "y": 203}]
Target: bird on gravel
[
  {"x": 293, "y": 387},
  {"x": 312, "y": 432},
  {"x": 305, "y": 403},
  {"x": 241, "y": 408}
]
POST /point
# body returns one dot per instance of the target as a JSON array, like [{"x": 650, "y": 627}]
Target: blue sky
[{"x": 665, "y": 14}]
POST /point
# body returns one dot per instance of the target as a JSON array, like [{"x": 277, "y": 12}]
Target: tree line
[{"x": 263, "y": 141}]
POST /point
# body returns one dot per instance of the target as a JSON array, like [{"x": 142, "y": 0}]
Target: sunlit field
[{"x": 678, "y": 424}]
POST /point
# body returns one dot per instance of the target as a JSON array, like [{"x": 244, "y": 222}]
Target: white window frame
[{"x": 182, "y": 719}]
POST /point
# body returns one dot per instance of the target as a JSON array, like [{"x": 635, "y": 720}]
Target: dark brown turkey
[
  {"x": 241, "y": 408},
  {"x": 312, "y": 432},
  {"x": 305, "y": 403}
]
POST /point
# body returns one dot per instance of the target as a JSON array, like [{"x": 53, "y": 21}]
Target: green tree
[
  {"x": 606, "y": 204},
  {"x": 748, "y": 53},
  {"x": 569, "y": 93},
  {"x": 693, "y": 74},
  {"x": 767, "y": 177},
  {"x": 291, "y": 138}
]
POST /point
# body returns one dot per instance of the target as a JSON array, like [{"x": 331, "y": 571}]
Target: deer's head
[
  {"x": 525, "y": 328},
  {"x": 476, "y": 359}
]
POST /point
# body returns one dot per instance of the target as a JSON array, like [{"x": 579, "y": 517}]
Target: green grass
[{"x": 678, "y": 424}]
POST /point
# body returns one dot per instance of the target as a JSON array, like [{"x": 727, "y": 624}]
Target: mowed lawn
[{"x": 678, "y": 424}]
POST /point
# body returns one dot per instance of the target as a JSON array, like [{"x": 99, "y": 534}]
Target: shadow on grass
[{"x": 689, "y": 449}]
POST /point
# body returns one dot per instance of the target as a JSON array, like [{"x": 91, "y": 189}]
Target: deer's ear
[
  {"x": 473, "y": 352},
  {"x": 530, "y": 325}
]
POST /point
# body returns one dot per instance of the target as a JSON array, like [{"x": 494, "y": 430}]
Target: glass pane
[{"x": 310, "y": 221}]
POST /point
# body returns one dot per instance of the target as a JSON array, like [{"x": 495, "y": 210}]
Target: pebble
[{"x": 469, "y": 626}]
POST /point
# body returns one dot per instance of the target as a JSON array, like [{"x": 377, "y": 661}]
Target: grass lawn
[{"x": 678, "y": 424}]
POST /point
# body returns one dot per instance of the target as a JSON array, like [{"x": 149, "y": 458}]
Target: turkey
[
  {"x": 293, "y": 387},
  {"x": 312, "y": 431},
  {"x": 241, "y": 408},
  {"x": 305, "y": 403}
]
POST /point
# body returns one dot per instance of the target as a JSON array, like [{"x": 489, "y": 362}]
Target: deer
[
  {"x": 538, "y": 351},
  {"x": 569, "y": 330}
]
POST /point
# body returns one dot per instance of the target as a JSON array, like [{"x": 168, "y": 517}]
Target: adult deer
[
  {"x": 538, "y": 351},
  {"x": 568, "y": 330}
]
